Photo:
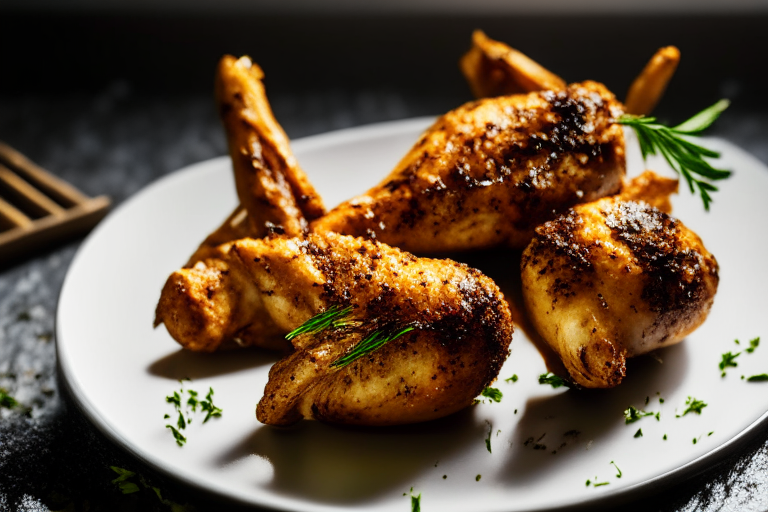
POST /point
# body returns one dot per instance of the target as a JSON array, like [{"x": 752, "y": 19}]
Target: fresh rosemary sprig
[
  {"x": 334, "y": 316},
  {"x": 685, "y": 157},
  {"x": 370, "y": 343}
]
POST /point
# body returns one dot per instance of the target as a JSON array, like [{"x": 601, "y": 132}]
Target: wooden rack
[{"x": 38, "y": 209}]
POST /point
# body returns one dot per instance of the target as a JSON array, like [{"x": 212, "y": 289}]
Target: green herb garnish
[
  {"x": 7, "y": 400},
  {"x": 618, "y": 475},
  {"x": 207, "y": 406},
  {"x": 553, "y": 380},
  {"x": 371, "y": 343},
  {"x": 693, "y": 406},
  {"x": 415, "y": 502},
  {"x": 665, "y": 437},
  {"x": 174, "y": 399},
  {"x": 335, "y": 316},
  {"x": 632, "y": 414},
  {"x": 180, "y": 439},
  {"x": 478, "y": 477},
  {"x": 599, "y": 484},
  {"x": 758, "y": 378},
  {"x": 122, "y": 482},
  {"x": 488, "y": 439},
  {"x": 492, "y": 393},
  {"x": 728, "y": 359},
  {"x": 513, "y": 378},
  {"x": 685, "y": 157},
  {"x": 753, "y": 344},
  {"x": 192, "y": 400},
  {"x": 639, "y": 433}
]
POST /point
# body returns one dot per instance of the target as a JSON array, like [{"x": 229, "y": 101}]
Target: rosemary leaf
[
  {"x": 684, "y": 156},
  {"x": 371, "y": 343},
  {"x": 334, "y": 316}
]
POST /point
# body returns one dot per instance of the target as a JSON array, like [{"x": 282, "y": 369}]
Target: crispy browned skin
[
  {"x": 214, "y": 304},
  {"x": 270, "y": 184},
  {"x": 614, "y": 279},
  {"x": 493, "y": 68},
  {"x": 651, "y": 189},
  {"x": 462, "y": 331},
  {"x": 489, "y": 172}
]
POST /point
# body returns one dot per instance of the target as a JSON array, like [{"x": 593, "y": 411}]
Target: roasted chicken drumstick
[
  {"x": 461, "y": 331},
  {"x": 489, "y": 172},
  {"x": 458, "y": 326},
  {"x": 614, "y": 279}
]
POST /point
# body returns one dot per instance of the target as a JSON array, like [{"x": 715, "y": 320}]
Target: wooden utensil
[{"x": 38, "y": 209}]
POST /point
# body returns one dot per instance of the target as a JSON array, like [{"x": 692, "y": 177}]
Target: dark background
[{"x": 111, "y": 102}]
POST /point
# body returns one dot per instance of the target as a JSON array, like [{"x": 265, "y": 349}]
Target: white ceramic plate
[{"x": 119, "y": 369}]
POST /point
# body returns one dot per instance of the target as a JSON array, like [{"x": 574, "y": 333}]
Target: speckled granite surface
[{"x": 115, "y": 141}]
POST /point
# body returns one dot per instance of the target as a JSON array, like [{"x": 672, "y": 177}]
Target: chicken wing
[
  {"x": 461, "y": 330},
  {"x": 613, "y": 279},
  {"x": 487, "y": 173},
  {"x": 270, "y": 184},
  {"x": 208, "y": 304}
]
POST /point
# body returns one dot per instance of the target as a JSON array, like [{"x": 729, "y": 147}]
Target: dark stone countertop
[{"x": 115, "y": 135}]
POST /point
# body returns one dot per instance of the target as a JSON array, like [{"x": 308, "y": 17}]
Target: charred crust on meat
[{"x": 674, "y": 272}]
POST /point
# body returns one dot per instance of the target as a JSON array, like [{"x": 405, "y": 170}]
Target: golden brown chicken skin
[
  {"x": 613, "y": 279},
  {"x": 487, "y": 173},
  {"x": 461, "y": 330}
]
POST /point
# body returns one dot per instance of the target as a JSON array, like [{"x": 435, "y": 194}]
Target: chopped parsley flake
[
  {"x": 693, "y": 406},
  {"x": 639, "y": 433},
  {"x": 753, "y": 344},
  {"x": 599, "y": 484},
  {"x": 478, "y": 477},
  {"x": 174, "y": 399},
  {"x": 758, "y": 378},
  {"x": 180, "y": 439},
  {"x": 415, "y": 502},
  {"x": 492, "y": 393},
  {"x": 553, "y": 380},
  {"x": 192, "y": 401},
  {"x": 488, "y": 439},
  {"x": 513, "y": 378},
  {"x": 122, "y": 482},
  {"x": 632, "y": 414},
  {"x": 665, "y": 437},
  {"x": 7, "y": 400},
  {"x": 728, "y": 359},
  {"x": 207, "y": 406},
  {"x": 618, "y": 475}
]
